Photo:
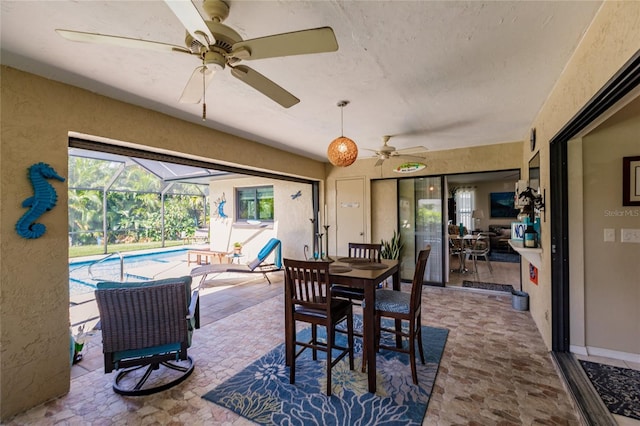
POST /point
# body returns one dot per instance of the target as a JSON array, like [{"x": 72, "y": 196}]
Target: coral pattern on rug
[
  {"x": 262, "y": 393},
  {"x": 618, "y": 387}
]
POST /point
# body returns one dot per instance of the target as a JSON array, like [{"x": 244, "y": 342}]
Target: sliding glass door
[{"x": 420, "y": 212}]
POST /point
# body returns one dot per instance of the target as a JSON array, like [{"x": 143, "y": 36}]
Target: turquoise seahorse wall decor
[{"x": 43, "y": 200}]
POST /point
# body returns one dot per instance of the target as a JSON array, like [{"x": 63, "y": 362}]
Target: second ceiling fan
[
  {"x": 218, "y": 46},
  {"x": 387, "y": 151}
]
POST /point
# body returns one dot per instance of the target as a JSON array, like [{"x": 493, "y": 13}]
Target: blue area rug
[
  {"x": 497, "y": 256},
  {"x": 619, "y": 388},
  {"x": 262, "y": 393}
]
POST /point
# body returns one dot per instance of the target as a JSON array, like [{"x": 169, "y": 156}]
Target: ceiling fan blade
[
  {"x": 379, "y": 162},
  {"x": 192, "y": 21},
  {"x": 120, "y": 41},
  {"x": 197, "y": 84},
  {"x": 315, "y": 40},
  {"x": 263, "y": 85}
]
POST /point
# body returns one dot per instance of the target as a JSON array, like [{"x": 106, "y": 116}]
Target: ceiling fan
[
  {"x": 387, "y": 151},
  {"x": 219, "y": 46}
]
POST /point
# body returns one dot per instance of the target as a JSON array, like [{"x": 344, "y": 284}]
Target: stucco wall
[
  {"x": 611, "y": 40},
  {"x": 37, "y": 115}
]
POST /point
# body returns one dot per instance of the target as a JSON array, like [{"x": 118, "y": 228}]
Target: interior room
[
  {"x": 470, "y": 202},
  {"x": 545, "y": 94}
]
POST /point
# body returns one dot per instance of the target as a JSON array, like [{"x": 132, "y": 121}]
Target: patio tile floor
[{"x": 495, "y": 368}]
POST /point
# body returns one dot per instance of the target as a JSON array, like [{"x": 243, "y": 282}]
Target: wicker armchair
[{"x": 147, "y": 324}]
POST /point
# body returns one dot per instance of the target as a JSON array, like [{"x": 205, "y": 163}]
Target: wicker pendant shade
[{"x": 342, "y": 151}]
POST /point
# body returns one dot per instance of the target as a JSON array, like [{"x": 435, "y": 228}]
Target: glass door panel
[{"x": 421, "y": 224}]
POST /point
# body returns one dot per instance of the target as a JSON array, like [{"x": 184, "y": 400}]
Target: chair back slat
[
  {"x": 142, "y": 317},
  {"x": 366, "y": 251},
  {"x": 307, "y": 283},
  {"x": 418, "y": 278}
]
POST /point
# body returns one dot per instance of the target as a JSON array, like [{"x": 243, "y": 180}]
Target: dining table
[{"x": 367, "y": 276}]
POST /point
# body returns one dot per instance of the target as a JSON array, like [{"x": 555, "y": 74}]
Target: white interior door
[{"x": 350, "y": 214}]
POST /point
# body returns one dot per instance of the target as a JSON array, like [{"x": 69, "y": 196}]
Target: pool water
[{"x": 137, "y": 267}]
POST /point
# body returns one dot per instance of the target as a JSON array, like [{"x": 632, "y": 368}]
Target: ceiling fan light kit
[{"x": 342, "y": 151}]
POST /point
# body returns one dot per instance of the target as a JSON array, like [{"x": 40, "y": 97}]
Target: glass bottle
[{"x": 530, "y": 237}]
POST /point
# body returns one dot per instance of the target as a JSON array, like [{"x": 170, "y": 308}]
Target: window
[
  {"x": 465, "y": 203},
  {"x": 254, "y": 203}
]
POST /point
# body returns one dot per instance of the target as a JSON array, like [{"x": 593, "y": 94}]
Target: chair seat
[
  {"x": 393, "y": 301},
  {"x": 339, "y": 308},
  {"x": 146, "y": 352}
]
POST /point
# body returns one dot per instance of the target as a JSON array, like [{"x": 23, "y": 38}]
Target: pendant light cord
[{"x": 342, "y": 104}]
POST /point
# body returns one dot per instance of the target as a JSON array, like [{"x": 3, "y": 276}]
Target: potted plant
[
  {"x": 391, "y": 249},
  {"x": 237, "y": 248}
]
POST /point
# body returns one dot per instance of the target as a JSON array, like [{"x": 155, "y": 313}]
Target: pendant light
[{"x": 342, "y": 151}]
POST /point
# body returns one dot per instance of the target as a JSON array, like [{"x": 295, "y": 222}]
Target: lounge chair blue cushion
[
  {"x": 272, "y": 244},
  {"x": 393, "y": 301}
]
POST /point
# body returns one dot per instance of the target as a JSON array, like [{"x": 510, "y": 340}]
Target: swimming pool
[{"x": 137, "y": 267}]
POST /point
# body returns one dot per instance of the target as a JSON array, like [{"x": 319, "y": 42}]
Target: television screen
[{"x": 502, "y": 204}]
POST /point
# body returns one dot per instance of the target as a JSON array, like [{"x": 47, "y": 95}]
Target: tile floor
[
  {"x": 495, "y": 368},
  {"x": 503, "y": 273}
]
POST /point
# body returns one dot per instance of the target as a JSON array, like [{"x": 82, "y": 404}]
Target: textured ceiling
[{"x": 438, "y": 74}]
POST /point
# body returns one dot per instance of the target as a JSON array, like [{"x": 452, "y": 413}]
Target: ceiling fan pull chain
[{"x": 204, "y": 93}]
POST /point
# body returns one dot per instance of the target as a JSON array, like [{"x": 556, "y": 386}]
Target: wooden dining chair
[
  {"x": 365, "y": 251},
  {"x": 308, "y": 299},
  {"x": 404, "y": 306},
  {"x": 372, "y": 252}
]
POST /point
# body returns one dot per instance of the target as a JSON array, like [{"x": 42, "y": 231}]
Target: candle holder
[
  {"x": 314, "y": 243},
  {"x": 319, "y": 255},
  {"x": 325, "y": 255}
]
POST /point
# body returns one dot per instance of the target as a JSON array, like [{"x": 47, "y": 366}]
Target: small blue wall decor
[
  {"x": 220, "y": 203},
  {"x": 44, "y": 199}
]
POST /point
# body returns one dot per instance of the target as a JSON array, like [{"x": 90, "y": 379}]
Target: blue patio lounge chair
[{"x": 255, "y": 266}]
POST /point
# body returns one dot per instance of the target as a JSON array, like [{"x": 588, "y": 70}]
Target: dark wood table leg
[
  {"x": 369, "y": 334},
  {"x": 396, "y": 287}
]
